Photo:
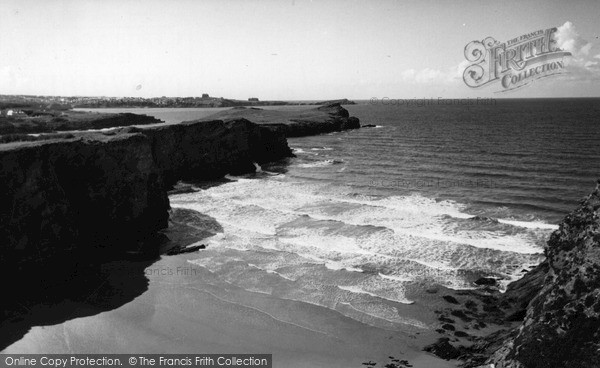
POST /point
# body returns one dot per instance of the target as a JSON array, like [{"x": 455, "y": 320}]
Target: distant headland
[{"x": 205, "y": 100}]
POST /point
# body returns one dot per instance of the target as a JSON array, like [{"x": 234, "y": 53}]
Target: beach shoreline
[{"x": 186, "y": 309}]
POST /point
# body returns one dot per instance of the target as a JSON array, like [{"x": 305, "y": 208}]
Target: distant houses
[
  {"x": 253, "y": 99},
  {"x": 11, "y": 112}
]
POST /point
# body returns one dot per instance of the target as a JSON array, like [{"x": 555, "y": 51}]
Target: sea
[{"x": 435, "y": 194}]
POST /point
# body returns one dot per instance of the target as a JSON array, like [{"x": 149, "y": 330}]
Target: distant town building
[
  {"x": 253, "y": 99},
  {"x": 11, "y": 112},
  {"x": 14, "y": 113},
  {"x": 205, "y": 95}
]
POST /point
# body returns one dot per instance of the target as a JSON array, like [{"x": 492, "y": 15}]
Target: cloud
[
  {"x": 568, "y": 39},
  {"x": 581, "y": 65},
  {"x": 428, "y": 75},
  {"x": 408, "y": 74},
  {"x": 435, "y": 76}
]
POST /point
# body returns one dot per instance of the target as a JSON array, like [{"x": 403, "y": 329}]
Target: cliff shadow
[{"x": 53, "y": 290}]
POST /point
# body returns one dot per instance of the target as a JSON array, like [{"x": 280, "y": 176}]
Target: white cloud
[
  {"x": 581, "y": 65},
  {"x": 408, "y": 74},
  {"x": 428, "y": 75},
  {"x": 435, "y": 76},
  {"x": 568, "y": 39}
]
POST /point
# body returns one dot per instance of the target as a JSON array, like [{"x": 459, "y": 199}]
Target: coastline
[
  {"x": 145, "y": 159},
  {"x": 549, "y": 317},
  {"x": 69, "y": 230},
  {"x": 180, "y": 307},
  {"x": 185, "y": 308},
  {"x": 474, "y": 324}
]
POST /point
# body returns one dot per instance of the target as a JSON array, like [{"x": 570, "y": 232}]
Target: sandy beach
[{"x": 185, "y": 310}]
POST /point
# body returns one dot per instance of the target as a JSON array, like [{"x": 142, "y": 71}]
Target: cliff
[
  {"x": 562, "y": 323},
  {"x": 549, "y": 318},
  {"x": 93, "y": 192},
  {"x": 297, "y": 122},
  {"x": 204, "y": 150},
  {"x": 86, "y": 190}
]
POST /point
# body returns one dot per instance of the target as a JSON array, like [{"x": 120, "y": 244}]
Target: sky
[{"x": 286, "y": 49}]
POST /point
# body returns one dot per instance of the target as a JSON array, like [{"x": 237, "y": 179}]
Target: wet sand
[{"x": 187, "y": 310}]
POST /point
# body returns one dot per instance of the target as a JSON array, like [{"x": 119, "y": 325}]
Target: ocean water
[{"x": 434, "y": 195}]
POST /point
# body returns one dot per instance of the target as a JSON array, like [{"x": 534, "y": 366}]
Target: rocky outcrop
[
  {"x": 549, "y": 318},
  {"x": 204, "y": 150},
  {"x": 54, "y": 121},
  {"x": 103, "y": 192},
  {"x": 339, "y": 119},
  {"x": 297, "y": 123},
  {"x": 342, "y": 101},
  {"x": 562, "y": 323}
]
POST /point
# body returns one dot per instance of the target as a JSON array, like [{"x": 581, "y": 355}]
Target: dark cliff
[
  {"x": 95, "y": 192},
  {"x": 562, "y": 322},
  {"x": 203, "y": 150},
  {"x": 88, "y": 190}
]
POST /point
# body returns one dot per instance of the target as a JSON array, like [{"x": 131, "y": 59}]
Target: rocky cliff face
[
  {"x": 562, "y": 324},
  {"x": 210, "y": 149},
  {"x": 89, "y": 190},
  {"x": 97, "y": 191},
  {"x": 339, "y": 119}
]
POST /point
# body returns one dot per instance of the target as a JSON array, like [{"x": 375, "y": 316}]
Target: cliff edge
[
  {"x": 562, "y": 324},
  {"x": 550, "y": 318}
]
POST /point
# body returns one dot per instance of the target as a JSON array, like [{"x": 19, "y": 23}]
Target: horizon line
[{"x": 312, "y": 99}]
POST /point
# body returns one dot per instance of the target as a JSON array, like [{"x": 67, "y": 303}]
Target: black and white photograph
[{"x": 300, "y": 183}]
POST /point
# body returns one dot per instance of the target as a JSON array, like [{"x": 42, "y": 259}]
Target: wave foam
[
  {"x": 321, "y": 163},
  {"x": 300, "y": 241}
]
